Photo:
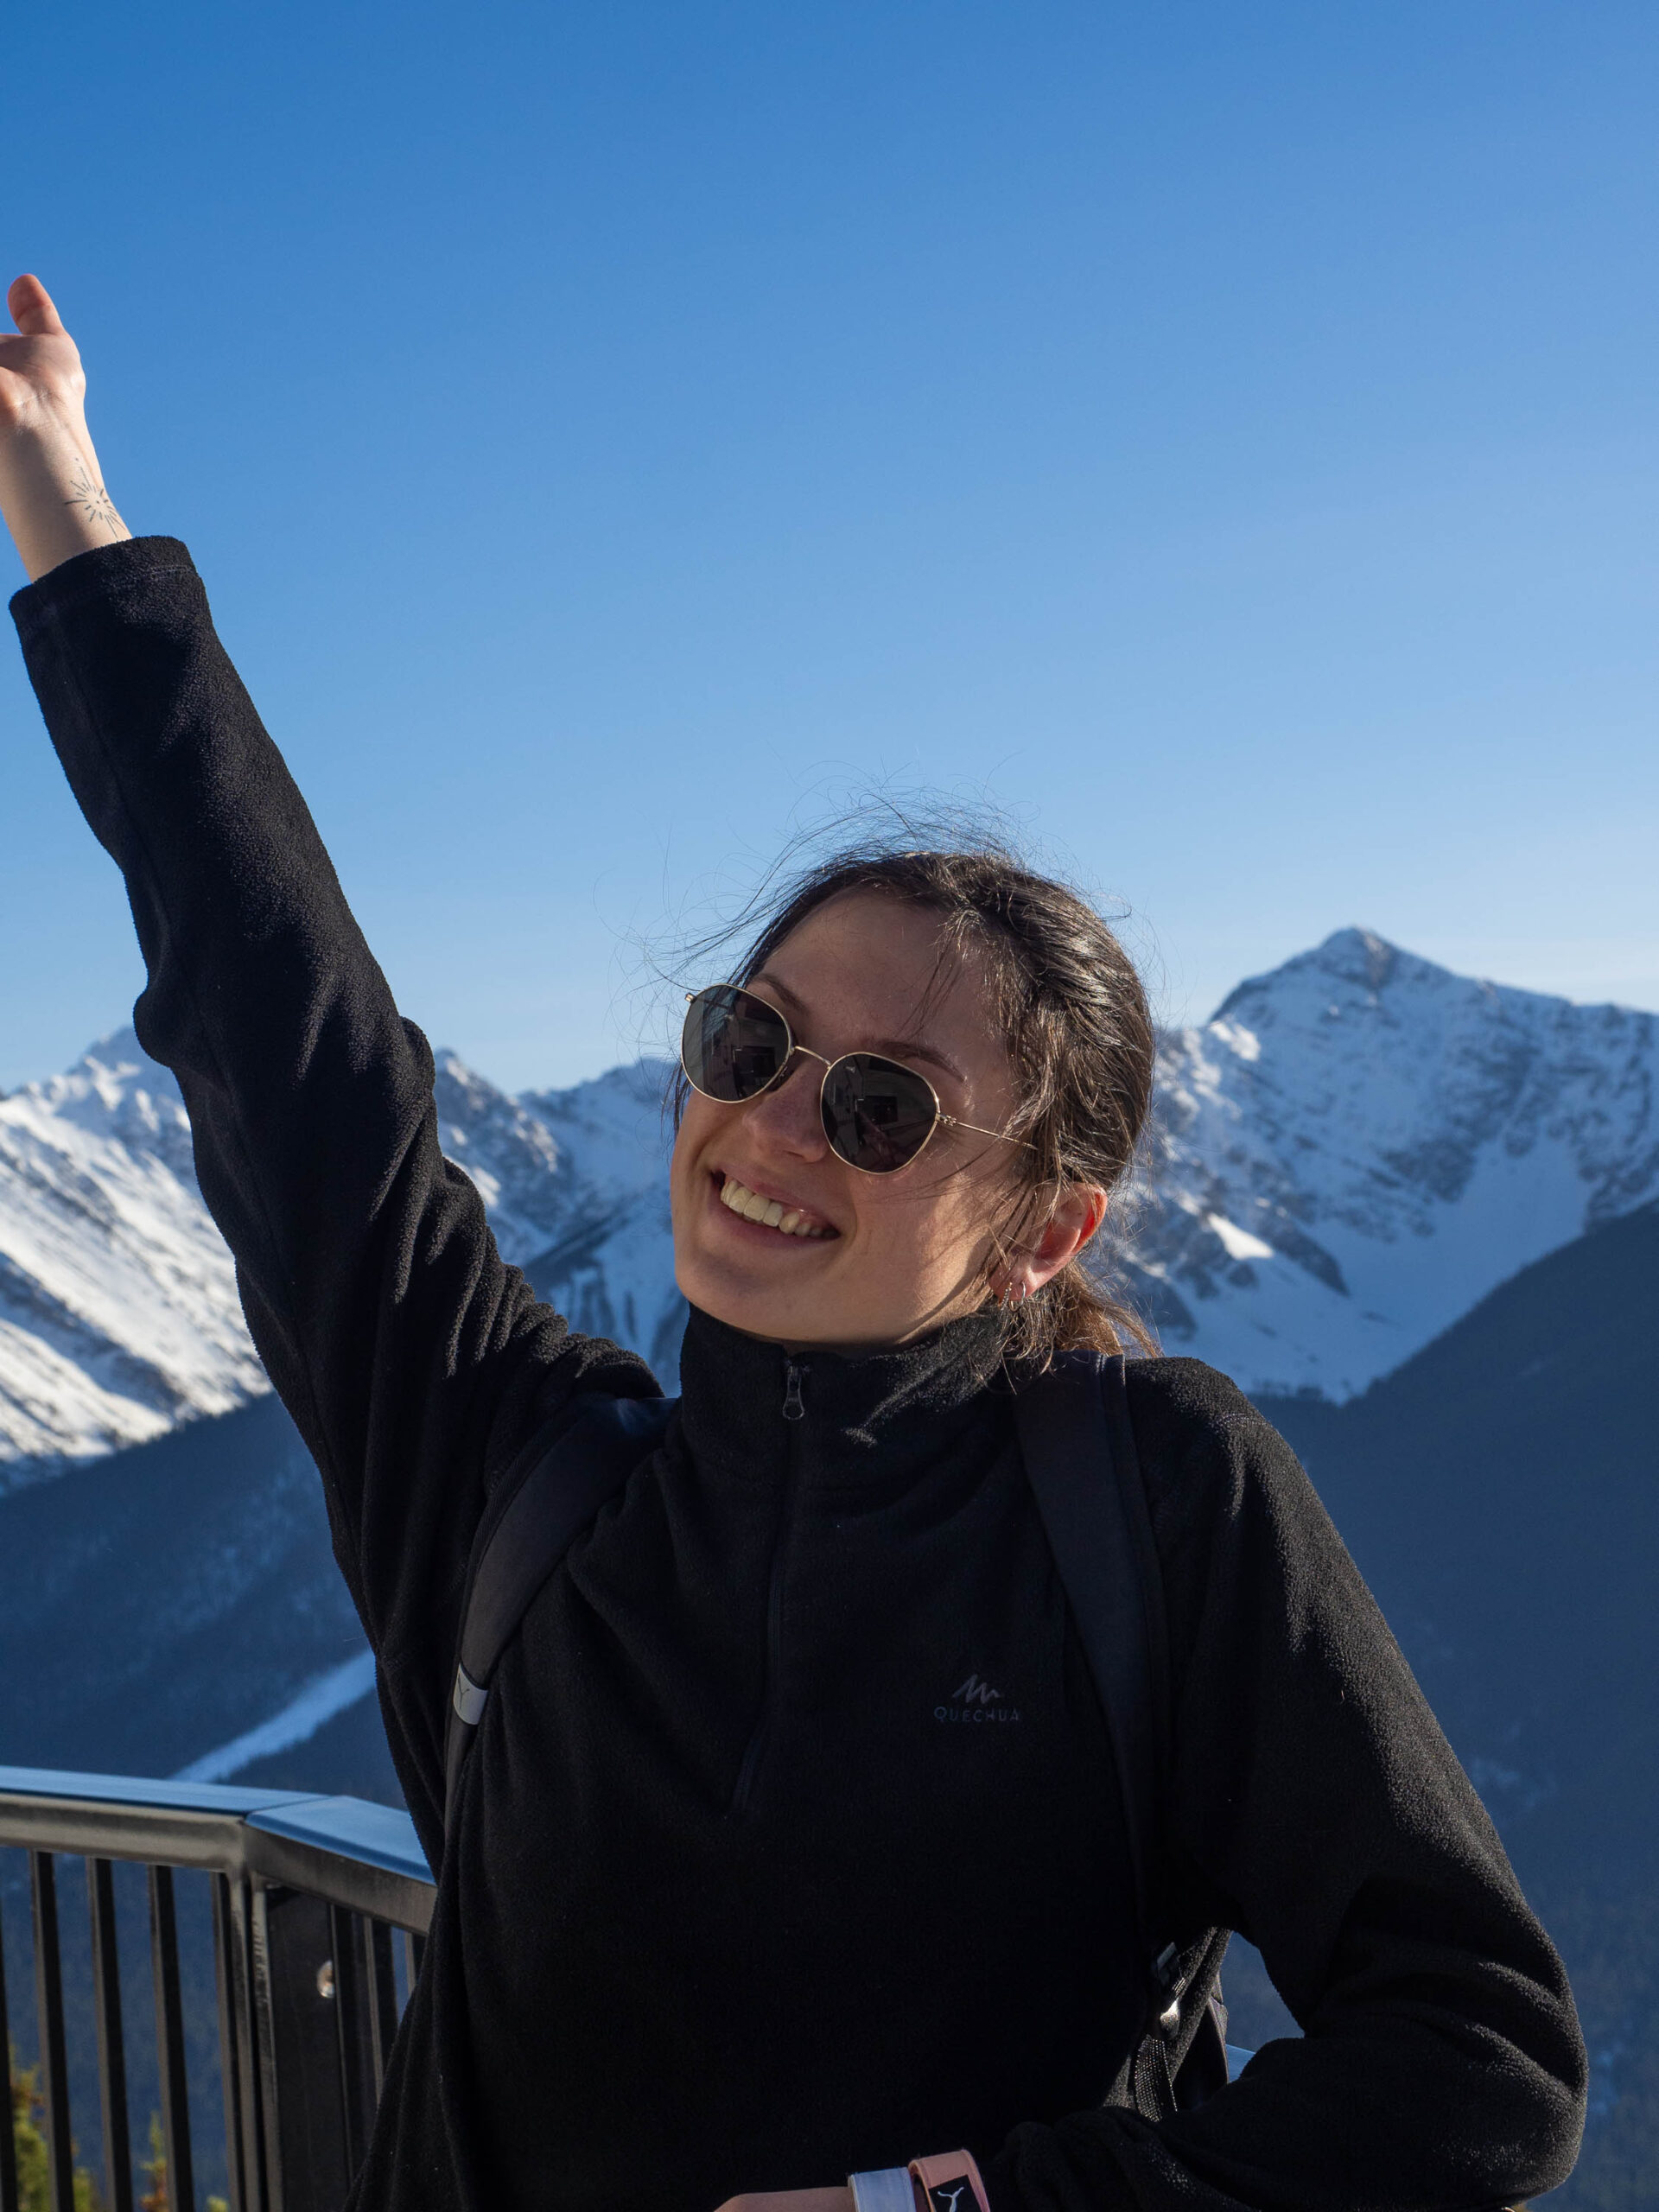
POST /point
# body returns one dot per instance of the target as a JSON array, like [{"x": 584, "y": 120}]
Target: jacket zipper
[{"x": 794, "y": 1411}]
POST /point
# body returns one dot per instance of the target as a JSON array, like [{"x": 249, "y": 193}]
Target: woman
[{"x": 726, "y": 1906}]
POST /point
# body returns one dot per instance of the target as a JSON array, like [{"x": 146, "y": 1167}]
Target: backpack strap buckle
[
  {"x": 1171, "y": 1984},
  {"x": 468, "y": 1699}
]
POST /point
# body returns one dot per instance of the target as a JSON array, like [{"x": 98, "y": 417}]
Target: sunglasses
[{"x": 877, "y": 1114}]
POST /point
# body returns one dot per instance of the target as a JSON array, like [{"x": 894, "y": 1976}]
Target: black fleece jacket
[{"x": 789, "y": 1845}]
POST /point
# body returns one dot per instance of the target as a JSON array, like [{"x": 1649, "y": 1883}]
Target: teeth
[{"x": 739, "y": 1200}]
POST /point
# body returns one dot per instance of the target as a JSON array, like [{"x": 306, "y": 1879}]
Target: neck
[{"x": 866, "y": 1347}]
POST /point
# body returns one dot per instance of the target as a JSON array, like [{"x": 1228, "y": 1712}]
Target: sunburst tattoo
[{"x": 93, "y": 501}]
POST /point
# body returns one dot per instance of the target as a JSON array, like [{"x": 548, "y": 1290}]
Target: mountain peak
[
  {"x": 1359, "y": 957},
  {"x": 1354, "y": 957},
  {"x": 1360, "y": 1143}
]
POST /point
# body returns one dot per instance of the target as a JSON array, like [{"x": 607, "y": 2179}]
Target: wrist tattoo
[{"x": 93, "y": 501}]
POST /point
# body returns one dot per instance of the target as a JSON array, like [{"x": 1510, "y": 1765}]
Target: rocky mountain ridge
[
  {"x": 1357, "y": 1147},
  {"x": 1349, "y": 1156}
]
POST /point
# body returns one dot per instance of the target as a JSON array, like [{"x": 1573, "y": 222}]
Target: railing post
[
  {"x": 49, "y": 2001},
  {"x": 301, "y": 2077},
  {"x": 169, "y": 2040},
  {"x": 381, "y": 1982},
  {"x": 238, "y": 2056},
  {"x": 353, "y": 2005},
  {"x": 8, "y": 2141},
  {"x": 112, "y": 2049}
]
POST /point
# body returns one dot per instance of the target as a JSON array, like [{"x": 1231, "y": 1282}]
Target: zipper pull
[{"x": 793, "y": 1408}]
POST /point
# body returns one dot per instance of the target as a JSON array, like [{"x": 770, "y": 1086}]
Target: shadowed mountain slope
[
  {"x": 164, "y": 1600},
  {"x": 1501, "y": 1494}
]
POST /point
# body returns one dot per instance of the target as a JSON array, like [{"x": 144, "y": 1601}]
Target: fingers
[{"x": 32, "y": 309}]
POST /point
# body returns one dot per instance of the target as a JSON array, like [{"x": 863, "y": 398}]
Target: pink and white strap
[
  {"x": 884, "y": 2189},
  {"x": 946, "y": 2179}
]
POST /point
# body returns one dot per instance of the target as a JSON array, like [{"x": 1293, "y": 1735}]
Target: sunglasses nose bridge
[
  {"x": 797, "y": 1057},
  {"x": 782, "y": 1104}
]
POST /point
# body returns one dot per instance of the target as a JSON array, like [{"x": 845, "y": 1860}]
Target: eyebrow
[{"x": 889, "y": 1048}]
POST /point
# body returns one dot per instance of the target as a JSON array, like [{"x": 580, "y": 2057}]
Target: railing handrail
[{"x": 345, "y": 1850}]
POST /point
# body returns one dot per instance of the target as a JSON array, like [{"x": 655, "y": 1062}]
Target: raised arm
[{"x": 412, "y": 1358}]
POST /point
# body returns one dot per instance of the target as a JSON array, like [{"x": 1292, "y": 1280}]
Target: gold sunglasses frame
[{"x": 941, "y": 1118}]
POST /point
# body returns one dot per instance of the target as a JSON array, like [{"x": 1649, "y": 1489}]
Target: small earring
[{"x": 1013, "y": 1293}]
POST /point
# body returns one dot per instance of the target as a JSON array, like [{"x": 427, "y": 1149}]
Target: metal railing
[{"x": 319, "y": 1907}]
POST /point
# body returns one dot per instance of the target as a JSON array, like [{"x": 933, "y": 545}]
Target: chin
[
  {"x": 756, "y": 1308},
  {"x": 762, "y": 1307}
]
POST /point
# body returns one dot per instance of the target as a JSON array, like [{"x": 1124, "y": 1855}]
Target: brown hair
[{"x": 1077, "y": 1027}]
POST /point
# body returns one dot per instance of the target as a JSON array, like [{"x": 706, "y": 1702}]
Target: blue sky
[{"x": 1223, "y": 438}]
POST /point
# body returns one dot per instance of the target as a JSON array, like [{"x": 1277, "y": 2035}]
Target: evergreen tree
[{"x": 33, "y": 2176}]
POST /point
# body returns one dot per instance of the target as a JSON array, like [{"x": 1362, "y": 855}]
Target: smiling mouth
[{"x": 768, "y": 1213}]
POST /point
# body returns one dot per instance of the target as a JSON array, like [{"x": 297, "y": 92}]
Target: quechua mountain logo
[{"x": 975, "y": 1703}]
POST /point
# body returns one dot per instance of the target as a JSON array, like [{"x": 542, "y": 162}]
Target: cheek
[
  {"x": 683, "y": 1167},
  {"x": 936, "y": 1227},
  {"x": 697, "y": 1125}
]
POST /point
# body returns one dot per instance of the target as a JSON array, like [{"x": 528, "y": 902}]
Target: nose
[{"x": 788, "y": 1116}]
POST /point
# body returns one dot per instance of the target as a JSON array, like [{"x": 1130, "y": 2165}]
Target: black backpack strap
[
  {"x": 547, "y": 1495},
  {"x": 1078, "y": 1449},
  {"x": 1075, "y": 1466}
]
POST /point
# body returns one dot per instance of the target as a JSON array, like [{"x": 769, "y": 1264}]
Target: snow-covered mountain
[
  {"x": 118, "y": 1314},
  {"x": 594, "y": 1239},
  {"x": 1361, "y": 1145},
  {"x": 1355, "y": 1150}
]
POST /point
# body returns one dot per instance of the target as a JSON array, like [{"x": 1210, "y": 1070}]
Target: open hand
[
  {"x": 51, "y": 487},
  {"x": 40, "y": 375}
]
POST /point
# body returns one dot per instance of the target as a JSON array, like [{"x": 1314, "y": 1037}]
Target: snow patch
[{"x": 298, "y": 1721}]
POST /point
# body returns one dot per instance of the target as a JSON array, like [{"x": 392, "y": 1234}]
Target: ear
[{"x": 1079, "y": 1212}]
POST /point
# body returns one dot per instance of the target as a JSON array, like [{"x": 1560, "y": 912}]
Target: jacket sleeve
[
  {"x": 1317, "y": 1808},
  {"x": 411, "y": 1357}
]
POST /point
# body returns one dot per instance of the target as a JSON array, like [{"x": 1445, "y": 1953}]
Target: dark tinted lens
[
  {"x": 876, "y": 1114},
  {"x": 733, "y": 1045}
]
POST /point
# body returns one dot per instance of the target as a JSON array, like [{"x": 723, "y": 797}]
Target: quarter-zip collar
[{"x": 867, "y": 1418}]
